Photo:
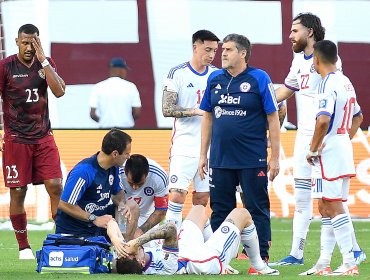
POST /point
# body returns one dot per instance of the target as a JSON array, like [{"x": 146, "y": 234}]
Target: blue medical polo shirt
[
  {"x": 90, "y": 187},
  {"x": 239, "y": 107}
]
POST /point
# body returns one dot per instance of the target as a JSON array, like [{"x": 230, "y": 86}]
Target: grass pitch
[{"x": 12, "y": 268}]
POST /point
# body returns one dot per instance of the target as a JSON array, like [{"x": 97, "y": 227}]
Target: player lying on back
[{"x": 189, "y": 253}]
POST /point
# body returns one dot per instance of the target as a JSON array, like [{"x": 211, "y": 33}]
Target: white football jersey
[
  {"x": 337, "y": 99},
  {"x": 150, "y": 196},
  {"x": 161, "y": 262},
  {"x": 304, "y": 79},
  {"x": 190, "y": 86}
]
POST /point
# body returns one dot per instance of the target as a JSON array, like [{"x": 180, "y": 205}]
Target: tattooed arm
[
  {"x": 171, "y": 109},
  {"x": 155, "y": 218},
  {"x": 167, "y": 231}
]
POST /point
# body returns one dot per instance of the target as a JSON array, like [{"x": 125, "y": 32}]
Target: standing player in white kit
[
  {"x": 183, "y": 90},
  {"x": 303, "y": 80},
  {"x": 339, "y": 117}
]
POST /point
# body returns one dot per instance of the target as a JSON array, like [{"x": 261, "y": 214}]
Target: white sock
[
  {"x": 207, "y": 231},
  {"x": 302, "y": 216},
  {"x": 342, "y": 231},
  {"x": 356, "y": 247},
  {"x": 174, "y": 213},
  {"x": 249, "y": 239},
  {"x": 327, "y": 241}
]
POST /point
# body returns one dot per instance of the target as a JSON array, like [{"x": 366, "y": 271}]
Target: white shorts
[
  {"x": 301, "y": 168},
  {"x": 336, "y": 190},
  {"x": 209, "y": 257},
  {"x": 184, "y": 171}
]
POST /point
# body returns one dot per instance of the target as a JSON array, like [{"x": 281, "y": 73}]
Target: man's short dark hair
[
  {"x": 204, "y": 35},
  {"x": 310, "y": 20},
  {"x": 326, "y": 50},
  {"x": 128, "y": 266},
  {"x": 137, "y": 166},
  {"x": 28, "y": 29},
  {"x": 241, "y": 43},
  {"x": 115, "y": 140}
]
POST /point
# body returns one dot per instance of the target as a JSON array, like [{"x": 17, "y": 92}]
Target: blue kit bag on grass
[{"x": 68, "y": 254}]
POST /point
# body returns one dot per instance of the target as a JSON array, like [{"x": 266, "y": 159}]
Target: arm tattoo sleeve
[
  {"x": 154, "y": 219},
  {"x": 170, "y": 108},
  {"x": 167, "y": 231}
]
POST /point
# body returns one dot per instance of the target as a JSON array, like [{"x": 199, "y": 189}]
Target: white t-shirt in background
[{"x": 114, "y": 99}]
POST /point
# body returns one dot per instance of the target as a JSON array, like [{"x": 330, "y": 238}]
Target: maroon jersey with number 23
[{"x": 25, "y": 100}]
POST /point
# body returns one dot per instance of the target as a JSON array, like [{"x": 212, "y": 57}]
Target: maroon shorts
[{"x": 30, "y": 163}]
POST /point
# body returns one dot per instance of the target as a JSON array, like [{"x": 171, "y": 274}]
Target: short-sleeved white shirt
[
  {"x": 114, "y": 99},
  {"x": 304, "y": 79},
  {"x": 337, "y": 99},
  {"x": 150, "y": 196},
  {"x": 190, "y": 86},
  {"x": 161, "y": 262}
]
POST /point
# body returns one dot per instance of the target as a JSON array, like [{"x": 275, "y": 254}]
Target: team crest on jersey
[
  {"x": 322, "y": 103},
  {"x": 225, "y": 229},
  {"x": 245, "y": 87},
  {"x": 111, "y": 179},
  {"x": 148, "y": 191},
  {"x": 173, "y": 179},
  {"x": 312, "y": 70},
  {"x": 42, "y": 73},
  {"x": 218, "y": 112}
]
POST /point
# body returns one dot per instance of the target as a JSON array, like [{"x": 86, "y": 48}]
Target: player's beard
[{"x": 299, "y": 45}]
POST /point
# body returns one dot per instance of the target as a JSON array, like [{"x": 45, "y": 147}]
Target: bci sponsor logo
[{"x": 227, "y": 99}]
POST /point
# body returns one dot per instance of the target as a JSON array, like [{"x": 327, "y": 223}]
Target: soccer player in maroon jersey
[{"x": 30, "y": 154}]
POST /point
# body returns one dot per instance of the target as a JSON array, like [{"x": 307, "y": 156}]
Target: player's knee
[
  {"x": 241, "y": 217},
  {"x": 18, "y": 194},
  {"x": 322, "y": 210},
  {"x": 54, "y": 187},
  {"x": 200, "y": 198},
  {"x": 178, "y": 195},
  {"x": 134, "y": 207}
]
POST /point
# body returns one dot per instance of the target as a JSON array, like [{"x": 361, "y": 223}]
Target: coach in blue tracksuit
[{"x": 240, "y": 104}]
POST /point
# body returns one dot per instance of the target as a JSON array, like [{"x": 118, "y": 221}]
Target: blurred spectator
[{"x": 115, "y": 102}]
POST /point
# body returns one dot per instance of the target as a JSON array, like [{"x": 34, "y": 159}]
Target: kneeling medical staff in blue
[
  {"x": 93, "y": 189},
  {"x": 240, "y": 104}
]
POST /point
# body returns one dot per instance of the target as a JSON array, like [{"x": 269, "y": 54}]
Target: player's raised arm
[
  {"x": 55, "y": 82},
  {"x": 167, "y": 231}
]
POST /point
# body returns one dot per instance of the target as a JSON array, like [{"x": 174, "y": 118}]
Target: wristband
[
  {"x": 45, "y": 63},
  {"x": 313, "y": 154}
]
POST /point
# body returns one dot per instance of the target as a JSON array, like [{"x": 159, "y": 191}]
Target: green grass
[{"x": 12, "y": 268}]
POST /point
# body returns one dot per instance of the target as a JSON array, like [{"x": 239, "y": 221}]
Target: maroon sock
[{"x": 19, "y": 223}]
